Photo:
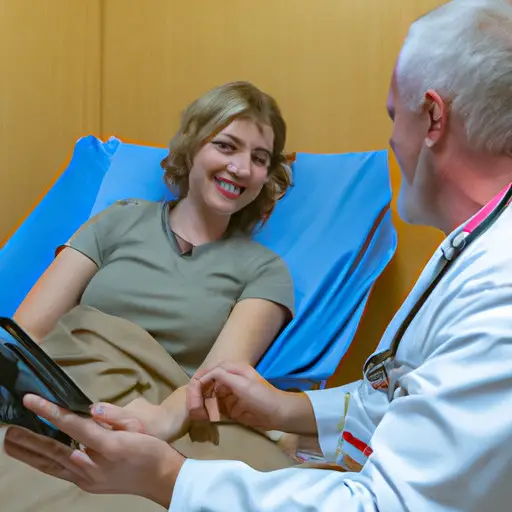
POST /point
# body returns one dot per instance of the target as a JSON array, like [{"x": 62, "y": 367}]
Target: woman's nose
[{"x": 240, "y": 166}]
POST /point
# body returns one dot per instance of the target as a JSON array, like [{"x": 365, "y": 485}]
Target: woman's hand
[
  {"x": 112, "y": 462},
  {"x": 168, "y": 421},
  {"x": 246, "y": 397}
]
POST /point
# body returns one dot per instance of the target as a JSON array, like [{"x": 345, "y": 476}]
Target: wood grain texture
[{"x": 49, "y": 94}]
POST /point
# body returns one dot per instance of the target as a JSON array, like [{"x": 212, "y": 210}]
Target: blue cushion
[
  {"x": 335, "y": 232},
  {"x": 134, "y": 172},
  {"x": 60, "y": 213},
  {"x": 333, "y": 229}
]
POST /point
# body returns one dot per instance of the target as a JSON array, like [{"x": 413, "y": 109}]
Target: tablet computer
[{"x": 26, "y": 368}]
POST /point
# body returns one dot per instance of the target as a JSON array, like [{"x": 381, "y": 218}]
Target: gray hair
[{"x": 463, "y": 50}]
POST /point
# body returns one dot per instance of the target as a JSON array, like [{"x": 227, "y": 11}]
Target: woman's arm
[
  {"x": 262, "y": 310},
  {"x": 250, "y": 329},
  {"x": 246, "y": 335},
  {"x": 56, "y": 292},
  {"x": 264, "y": 307}
]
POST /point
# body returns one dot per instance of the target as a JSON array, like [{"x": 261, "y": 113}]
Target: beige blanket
[{"x": 116, "y": 361}]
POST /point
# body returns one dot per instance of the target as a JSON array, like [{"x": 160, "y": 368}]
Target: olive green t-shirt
[{"x": 182, "y": 300}]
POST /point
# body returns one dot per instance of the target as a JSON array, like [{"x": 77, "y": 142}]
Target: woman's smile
[{"x": 228, "y": 188}]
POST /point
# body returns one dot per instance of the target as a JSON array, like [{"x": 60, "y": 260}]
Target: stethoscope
[{"x": 376, "y": 368}]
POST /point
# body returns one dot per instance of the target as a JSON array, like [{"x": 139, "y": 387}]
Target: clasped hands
[{"x": 127, "y": 450}]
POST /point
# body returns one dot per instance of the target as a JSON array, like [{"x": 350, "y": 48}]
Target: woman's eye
[
  {"x": 224, "y": 146},
  {"x": 259, "y": 160}
]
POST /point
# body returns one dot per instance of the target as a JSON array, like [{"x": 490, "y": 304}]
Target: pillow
[{"x": 134, "y": 172}]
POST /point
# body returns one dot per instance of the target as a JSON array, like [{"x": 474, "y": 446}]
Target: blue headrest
[
  {"x": 333, "y": 229},
  {"x": 335, "y": 232},
  {"x": 134, "y": 172}
]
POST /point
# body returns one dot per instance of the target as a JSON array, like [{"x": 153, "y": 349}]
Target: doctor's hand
[
  {"x": 243, "y": 395},
  {"x": 113, "y": 462}
]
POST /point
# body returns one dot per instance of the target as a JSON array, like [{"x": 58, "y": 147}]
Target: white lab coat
[{"x": 441, "y": 443}]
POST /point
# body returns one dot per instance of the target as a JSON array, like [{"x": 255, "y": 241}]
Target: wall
[
  {"x": 128, "y": 67},
  {"x": 49, "y": 94},
  {"x": 328, "y": 63}
]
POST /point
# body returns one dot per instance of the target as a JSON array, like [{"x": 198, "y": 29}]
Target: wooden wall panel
[{"x": 49, "y": 94}]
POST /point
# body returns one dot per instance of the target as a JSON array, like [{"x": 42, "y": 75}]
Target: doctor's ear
[{"x": 437, "y": 110}]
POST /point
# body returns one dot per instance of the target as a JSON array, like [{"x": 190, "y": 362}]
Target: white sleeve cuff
[
  {"x": 329, "y": 408},
  {"x": 184, "y": 486}
]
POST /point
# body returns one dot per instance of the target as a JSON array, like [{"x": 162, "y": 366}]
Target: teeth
[{"x": 229, "y": 187}]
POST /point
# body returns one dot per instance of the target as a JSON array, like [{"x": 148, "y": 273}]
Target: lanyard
[{"x": 375, "y": 369}]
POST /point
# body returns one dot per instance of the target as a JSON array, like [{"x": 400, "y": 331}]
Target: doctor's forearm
[{"x": 218, "y": 486}]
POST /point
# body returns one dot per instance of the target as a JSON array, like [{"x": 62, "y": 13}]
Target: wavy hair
[{"x": 203, "y": 119}]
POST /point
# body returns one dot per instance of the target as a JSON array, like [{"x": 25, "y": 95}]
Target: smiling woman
[
  {"x": 229, "y": 175},
  {"x": 237, "y": 136},
  {"x": 186, "y": 271}
]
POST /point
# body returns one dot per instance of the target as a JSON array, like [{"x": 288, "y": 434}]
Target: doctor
[{"x": 429, "y": 427}]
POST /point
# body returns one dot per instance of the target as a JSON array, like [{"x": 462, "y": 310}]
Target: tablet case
[{"x": 26, "y": 368}]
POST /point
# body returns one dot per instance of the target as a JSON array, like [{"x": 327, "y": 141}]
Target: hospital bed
[{"x": 333, "y": 228}]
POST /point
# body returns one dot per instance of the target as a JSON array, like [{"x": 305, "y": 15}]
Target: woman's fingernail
[{"x": 98, "y": 410}]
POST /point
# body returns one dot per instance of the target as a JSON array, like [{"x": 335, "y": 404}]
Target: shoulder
[
  {"x": 487, "y": 263},
  {"x": 125, "y": 213},
  {"x": 474, "y": 300},
  {"x": 133, "y": 207},
  {"x": 255, "y": 255},
  {"x": 266, "y": 274}
]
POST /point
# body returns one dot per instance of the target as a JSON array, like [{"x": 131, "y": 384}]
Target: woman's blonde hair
[{"x": 204, "y": 118}]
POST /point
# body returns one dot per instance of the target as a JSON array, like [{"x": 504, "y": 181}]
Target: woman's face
[{"x": 229, "y": 171}]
